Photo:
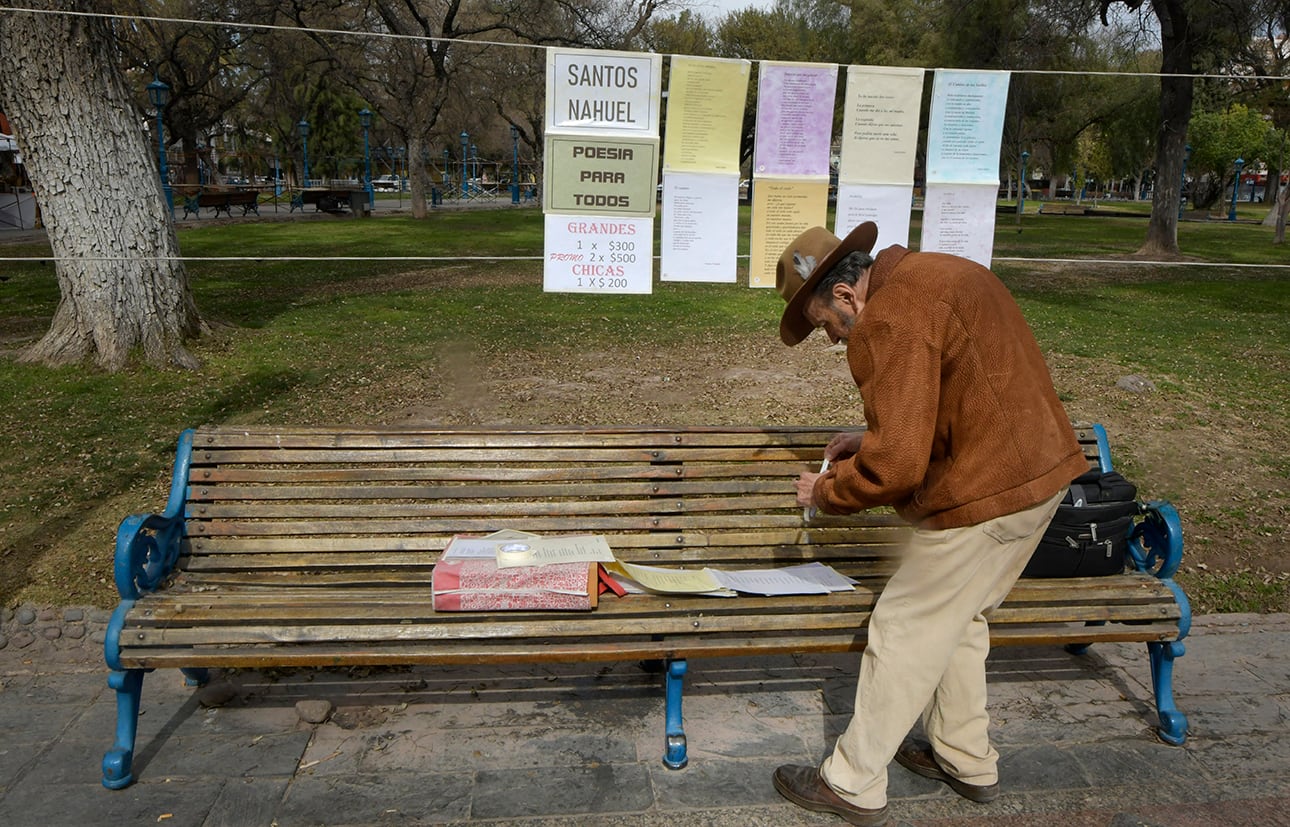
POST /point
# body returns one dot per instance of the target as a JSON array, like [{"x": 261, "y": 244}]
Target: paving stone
[
  {"x": 75, "y": 631},
  {"x": 73, "y": 615},
  {"x": 46, "y": 615},
  {"x": 1039, "y": 767},
  {"x": 51, "y": 632},
  {"x": 26, "y": 615},
  {"x": 21, "y": 639},
  {"x": 497, "y": 749},
  {"x": 4, "y": 641},
  {"x": 606, "y": 788},
  {"x": 247, "y": 802},
  {"x": 390, "y": 798},
  {"x": 171, "y": 804},
  {"x": 715, "y": 783}
]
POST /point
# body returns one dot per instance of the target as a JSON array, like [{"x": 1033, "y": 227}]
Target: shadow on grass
[{"x": 28, "y": 544}]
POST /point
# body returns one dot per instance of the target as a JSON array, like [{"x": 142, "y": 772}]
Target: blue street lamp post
[
  {"x": 1182, "y": 185},
  {"x": 1236, "y": 186},
  {"x": 474, "y": 168},
  {"x": 304, "y": 139},
  {"x": 465, "y": 153},
  {"x": 159, "y": 95},
  {"x": 365, "y": 118},
  {"x": 447, "y": 172},
  {"x": 515, "y": 165},
  {"x": 1021, "y": 187}
]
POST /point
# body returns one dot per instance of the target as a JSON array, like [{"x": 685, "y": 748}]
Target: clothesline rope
[
  {"x": 396, "y": 36},
  {"x": 469, "y": 259}
]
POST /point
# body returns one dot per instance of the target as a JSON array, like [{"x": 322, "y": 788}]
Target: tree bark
[
  {"x": 95, "y": 178},
  {"x": 1171, "y": 138}
]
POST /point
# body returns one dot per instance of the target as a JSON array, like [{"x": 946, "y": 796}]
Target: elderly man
[{"x": 967, "y": 440}]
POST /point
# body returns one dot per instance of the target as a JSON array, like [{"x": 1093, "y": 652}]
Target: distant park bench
[
  {"x": 330, "y": 200},
  {"x": 222, "y": 201},
  {"x": 1055, "y": 208}
]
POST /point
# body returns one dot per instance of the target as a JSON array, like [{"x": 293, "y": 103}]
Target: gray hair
[{"x": 847, "y": 271}]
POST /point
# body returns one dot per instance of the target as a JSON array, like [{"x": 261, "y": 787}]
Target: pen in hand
[{"x": 809, "y": 511}]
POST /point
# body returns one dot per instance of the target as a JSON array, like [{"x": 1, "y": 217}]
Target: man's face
[{"x": 836, "y": 313}]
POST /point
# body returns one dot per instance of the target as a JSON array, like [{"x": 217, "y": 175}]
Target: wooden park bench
[
  {"x": 315, "y": 548},
  {"x": 1057, "y": 208},
  {"x": 330, "y": 200},
  {"x": 222, "y": 201}
]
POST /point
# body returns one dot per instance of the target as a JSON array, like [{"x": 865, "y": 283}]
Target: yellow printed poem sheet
[
  {"x": 782, "y": 209},
  {"x": 880, "y": 129},
  {"x": 705, "y": 111}
]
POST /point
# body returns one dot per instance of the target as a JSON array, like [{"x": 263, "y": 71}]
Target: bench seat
[{"x": 315, "y": 548}]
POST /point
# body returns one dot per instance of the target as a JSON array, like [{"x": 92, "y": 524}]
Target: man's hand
[
  {"x": 843, "y": 445},
  {"x": 806, "y": 489}
]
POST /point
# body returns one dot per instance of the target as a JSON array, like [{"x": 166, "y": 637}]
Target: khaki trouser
[{"x": 928, "y": 641}]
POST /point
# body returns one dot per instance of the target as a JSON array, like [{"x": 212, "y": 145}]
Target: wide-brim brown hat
[{"x": 804, "y": 263}]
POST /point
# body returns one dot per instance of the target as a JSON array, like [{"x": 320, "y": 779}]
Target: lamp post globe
[
  {"x": 303, "y": 126},
  {"x": 365, "y": 118},
  {"x": 1236, "y": 186},
  {"x": 159, "y": 96}
]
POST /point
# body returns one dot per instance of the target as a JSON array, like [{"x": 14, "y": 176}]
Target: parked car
[{"x": 386, "y": 183}]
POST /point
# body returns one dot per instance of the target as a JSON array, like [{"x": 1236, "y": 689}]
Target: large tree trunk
[
  {"x": 1171, "y": 139},
  {"x": 417, "y": 175},
  {"x": 122, "y": 287}
]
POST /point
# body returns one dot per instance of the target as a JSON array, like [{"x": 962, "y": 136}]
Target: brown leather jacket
[{"x": 963, "y": 422}]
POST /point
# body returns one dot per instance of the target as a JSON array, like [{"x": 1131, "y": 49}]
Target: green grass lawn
[{"x": 1214, "y": 339}]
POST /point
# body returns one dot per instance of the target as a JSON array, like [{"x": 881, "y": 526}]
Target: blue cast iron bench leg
[
  {"x": 675, "y": 757},
  {"x": 1156, "y": 547}
]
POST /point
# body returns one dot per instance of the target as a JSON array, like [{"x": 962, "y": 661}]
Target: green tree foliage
[{"x": 1217, "y": 140}]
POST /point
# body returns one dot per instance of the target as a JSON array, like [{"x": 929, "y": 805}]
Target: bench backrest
[{"x": 350, "y": 506}]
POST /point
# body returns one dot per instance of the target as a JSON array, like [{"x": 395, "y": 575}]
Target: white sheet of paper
[
  {"x": 542, "y": 551},
  {"x": 959, "y": 219},
  {"x": 700, "y": 225},
  {"x": 463, "y": 548},
  {"x": 826, "y": 576},
  {"x": 887, "y": 205},
  {"x": 770, "y": 582}
]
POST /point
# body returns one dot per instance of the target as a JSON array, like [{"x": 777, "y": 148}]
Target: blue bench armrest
[{"x": 147, "y": 545}]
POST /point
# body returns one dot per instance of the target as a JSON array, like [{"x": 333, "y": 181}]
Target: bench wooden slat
[
  {"x": 541, "y": 439},
  {"x": 563, "y": 525},
  {"x": 493, "y": 491},
  {"x": 203, "y": 476},
  {"x": 573, "y": 454}
]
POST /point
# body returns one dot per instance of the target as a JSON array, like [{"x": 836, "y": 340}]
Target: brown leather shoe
[
  {"x": 804, "y": 787},
  {"x": 916, "y": 756}
]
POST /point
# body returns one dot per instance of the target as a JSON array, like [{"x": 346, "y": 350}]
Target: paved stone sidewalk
[{"x": 561, "y": 745}]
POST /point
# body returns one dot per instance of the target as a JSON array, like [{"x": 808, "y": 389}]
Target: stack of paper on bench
[
  {"x": 478, "y": 585},
  {"x": 515, "y": 570}
]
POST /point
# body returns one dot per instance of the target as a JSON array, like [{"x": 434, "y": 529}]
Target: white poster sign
[
  {"x": 597, "y": 91},
  {"x": 598, "y": 254},
  {"x": 700, "y": 227},
  {"x": 887, "y": 205},
  {"x": 959, "y": 219}
]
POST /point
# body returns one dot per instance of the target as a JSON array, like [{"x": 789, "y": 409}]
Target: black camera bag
[{"x": 1089, "y": 534}]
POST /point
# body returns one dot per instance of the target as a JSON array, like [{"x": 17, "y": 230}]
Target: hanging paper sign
[
  {"x": 880, "y": 125},
  {"x": 782, "y": 210},
  {"x": 966, "y": 126},
  {"x": 887, "y": 205},
  {"x": 598, "y": 254},
  {"x": 603, "y": 91},
  {"x": 794, "y": 118},
  {"x": 605, "y": 176},
  {"x": 959, "y": 219},
  {"x": 705, "y": 114},
  {"x": 700, "y": 227}
]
